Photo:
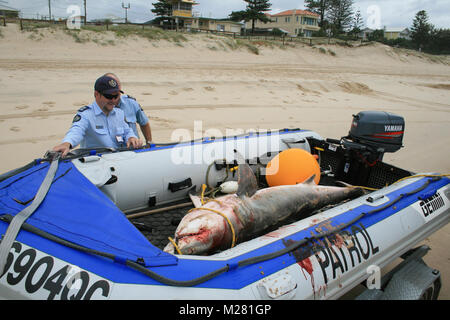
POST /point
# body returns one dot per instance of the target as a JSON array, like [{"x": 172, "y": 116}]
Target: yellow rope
[
  {"x": 367, "y": 188},
  {"x": 233, "y": 243},
  {"x": 203, "y": 194},
  {"x": 175, "y": 245},
  {"x": 214, "y": 200}
]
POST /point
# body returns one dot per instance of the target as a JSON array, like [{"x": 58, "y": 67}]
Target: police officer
[
  {"x": 133, "y": 112},
  {"x": 100, "y": 124}
]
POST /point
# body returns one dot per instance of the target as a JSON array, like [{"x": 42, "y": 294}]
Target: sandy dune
[{"x": 46, "y": 76}]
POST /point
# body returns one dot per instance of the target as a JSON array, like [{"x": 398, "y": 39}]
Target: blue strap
[{"x": 120, "y": 259}]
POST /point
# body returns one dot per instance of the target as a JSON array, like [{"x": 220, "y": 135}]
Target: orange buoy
[{"x": 292, "y": 166}]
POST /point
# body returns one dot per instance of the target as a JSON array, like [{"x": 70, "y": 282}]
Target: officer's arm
[
  {"x": 130, "y": 137},
  {"x": 147, "y": 132},
  {"x": 142, "y": 119},
  {"x": 64, "y": 148},
  {"x": 77, "y": 131}
]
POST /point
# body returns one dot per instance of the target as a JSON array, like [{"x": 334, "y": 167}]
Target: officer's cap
[{"x": 107, "y": 85}]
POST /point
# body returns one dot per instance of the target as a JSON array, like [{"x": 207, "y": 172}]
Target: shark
[{"x": 225, "y": 221}]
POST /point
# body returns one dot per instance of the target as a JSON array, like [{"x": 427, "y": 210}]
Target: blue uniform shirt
[
  {"x": 133, "y": 112},
  {"x": 91, "y": 128}
]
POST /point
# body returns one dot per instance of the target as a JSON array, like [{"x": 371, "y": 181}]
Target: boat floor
[{"x": 158, "y": 227}]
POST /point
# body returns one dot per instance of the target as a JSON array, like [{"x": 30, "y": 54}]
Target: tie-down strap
[{"x": 22, "y": 216}]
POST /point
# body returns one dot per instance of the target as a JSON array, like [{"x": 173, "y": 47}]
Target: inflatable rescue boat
[{"x": 94, "y": 225}]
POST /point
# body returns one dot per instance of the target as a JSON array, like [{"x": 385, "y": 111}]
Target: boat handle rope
[
  {"x": 193, "y": 282},
  {"x": 19, "y": 219}
]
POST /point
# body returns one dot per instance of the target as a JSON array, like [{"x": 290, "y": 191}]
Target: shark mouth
[{"x": 189, "y": 241}]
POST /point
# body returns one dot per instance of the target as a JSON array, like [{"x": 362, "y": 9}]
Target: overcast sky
[{"x": 389, "y": 13}]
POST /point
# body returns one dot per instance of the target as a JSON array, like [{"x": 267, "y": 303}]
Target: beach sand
[{"x": 46, "y": 76}]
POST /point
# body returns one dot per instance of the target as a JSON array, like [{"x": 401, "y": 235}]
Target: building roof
[
  {"x": 186, "y": 1},
  {"x": 219, "y": 20},
  {"x": 396, "y": 29},
  {"x": 110, "y": 17},
  {"x": 6, "y": 8},
  {"x": 295, "y": 12}
]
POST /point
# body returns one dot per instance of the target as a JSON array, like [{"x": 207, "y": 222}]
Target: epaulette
[
  {"x": 131, "y": 97},
  {"x": 83, "y": 109}
]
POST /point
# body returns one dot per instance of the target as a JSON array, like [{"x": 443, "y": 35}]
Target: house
[
  {"x": 182, "y": 8},
  {"x": 397, "y": 33},
  {"x": 181, "y": 13},
  {"x": 220, "y": 25},
  {"x": 184, "y": 18},
  {"x": 8, "y": 12},
  {"x": 109, "y": 18},
  {"x": 365, "y": 33},
  {"x": 295, "y": 22}
]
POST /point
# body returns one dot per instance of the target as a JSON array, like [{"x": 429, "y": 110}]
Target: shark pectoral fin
[
  {"x": 247, "y": 184},
  {"x": 310, "y": 180},
  {"x": 196, "y": 201},
  {"x": 170, "y": 248}
]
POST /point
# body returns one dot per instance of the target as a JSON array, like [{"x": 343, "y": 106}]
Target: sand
[{"x": 46, "y": 76}]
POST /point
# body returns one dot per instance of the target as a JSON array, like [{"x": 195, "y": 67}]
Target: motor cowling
[{"x": 378, "y": 130}]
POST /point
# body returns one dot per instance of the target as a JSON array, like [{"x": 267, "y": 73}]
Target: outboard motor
[
  {"x": 379, "y": 131},
  {"x": 372, "y": 133},
  {"x": 356, "y": 157}
]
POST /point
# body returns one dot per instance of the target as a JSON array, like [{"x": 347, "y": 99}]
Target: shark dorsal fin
[
  {"x": 310, "y": 180},
  {"x": 247, "y": 184}
]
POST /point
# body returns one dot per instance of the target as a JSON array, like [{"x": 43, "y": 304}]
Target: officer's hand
[
  {"x": 63, "y": 147},
  {"x": 133, "y": 142}
]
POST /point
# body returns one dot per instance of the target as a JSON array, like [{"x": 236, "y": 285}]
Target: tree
[
  {"x": 320, "y": 7},
  {"x": 238, "y": 15},
  {"x": 376, "y": 35},
  {"x": 162, "y": 10},
  {"x": 340, "y": 15},
  {"x": 358, "y": 22},
  {"x": 421, "y": 29},
  {"x": 357, "y": 25},
  {"x": 255, "y": 11},
  {"x": 440, "y": 41}
]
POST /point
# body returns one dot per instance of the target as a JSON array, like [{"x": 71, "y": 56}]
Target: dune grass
[{"x": 102, "y": 35}]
